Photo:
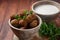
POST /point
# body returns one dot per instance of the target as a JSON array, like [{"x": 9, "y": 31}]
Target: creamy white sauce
[{"x": 46, "y": 9}]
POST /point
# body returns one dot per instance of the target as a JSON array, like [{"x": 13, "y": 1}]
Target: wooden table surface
[{"x": 7, "y": 8}]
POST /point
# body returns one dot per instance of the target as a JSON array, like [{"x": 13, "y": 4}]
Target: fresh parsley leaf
[
  {"x": 25, "y": 12},
  {"x": 50, "y": 30},
  {"x": 31, "y": 11},
  {"x": 17, "y": 17}
]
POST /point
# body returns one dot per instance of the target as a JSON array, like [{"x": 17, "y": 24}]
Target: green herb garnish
[
  {"x": 17, "y": 17},
  {"x": 21, "y": 17},
  {"x": 24, "y": 17},
  {"x": 31, "y": 11},
  {"x": 49, "y": 30},
  {"x": 25, "y": 12}
]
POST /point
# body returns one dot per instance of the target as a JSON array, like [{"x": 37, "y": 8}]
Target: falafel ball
[
  {"x": 22, "y": 23},
  {"x": 34, "y": 23},
  {"x": 15, "y": 22},
  {"x": 31, "y": 17}
]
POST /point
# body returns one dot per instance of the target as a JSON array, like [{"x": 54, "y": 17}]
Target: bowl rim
[
  {"x": 40, "y": 22},
  {"x": 32, "y": 7}
]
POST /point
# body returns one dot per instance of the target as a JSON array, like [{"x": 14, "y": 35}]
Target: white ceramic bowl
[
  {"x": 46, "y": 17},
  {"x": 26, "y": 34},
  {"x": 43, "y": 3}
]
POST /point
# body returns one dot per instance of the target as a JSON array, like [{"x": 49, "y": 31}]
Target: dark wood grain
[
  {"x": 8, "y": 8},
  {"x": 5, "y": 30},
  {"x": 3, "y": 7}
]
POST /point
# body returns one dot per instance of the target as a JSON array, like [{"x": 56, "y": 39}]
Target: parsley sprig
[
  {"x": 25, "y": 12},
  {"x": 49, "y": 30}
]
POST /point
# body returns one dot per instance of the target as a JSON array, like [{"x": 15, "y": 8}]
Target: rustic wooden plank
[
  {"x": 3, "y": 7},
  {"x": 6, "y": 33},
  {"x": 3, "y": 11},
  {"x": 25, "y": 4}
]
